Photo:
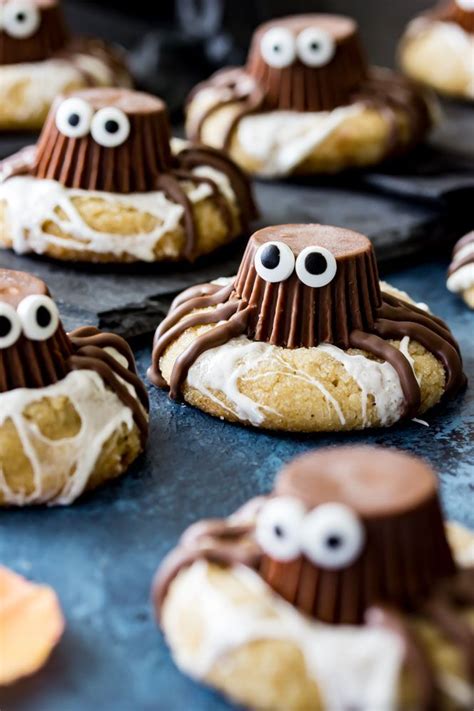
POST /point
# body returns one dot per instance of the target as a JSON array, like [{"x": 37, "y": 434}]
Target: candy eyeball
[
  {"x": 278, "y": 528},
  {"x": 467, "y": 5},
  {"x": 39, "y": 317},
  {"x": 110, "y": 127},
  {"x": 10, "y": 326},
  {"x": 21, "y": 19},
  {"x": 74, "y": 117},
  {"x": 316, "y": 267},
  {"x": 278, "y": 47},
  {"x": 274, "y": 262},
  {"x": 314, "y": 47},
  {"x": 332, "y": 536}
]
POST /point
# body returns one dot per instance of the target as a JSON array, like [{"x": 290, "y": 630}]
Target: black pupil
[
  {"x": 315, "y": 46},
  {"x": 271, "y": 257},
  {"x": 334, "y": 541},
  {"x": 277, "y": 48},
  {"x": 21, "y": 17},
  {"x": 316, "y": 263},
  {"x": 43, "y": 317},
  {"x": 279, "y": 531},
  {"x": 111, "y": 126},
  {"x": 74, "y": 120},
  {"x": 5, "y": 326}
]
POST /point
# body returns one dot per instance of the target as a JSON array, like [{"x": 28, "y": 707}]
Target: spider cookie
[
  {"x": 305, "y": 339},
  {"x": 105, "y": 183},
  {"x": 438, "y": 48},
  {"x": 39, "y": 59},
  {"x": 346, "y": 560},
  {"x": 307, "y": 102},
  {"x": 73, "y": 411},
  {"x": 461, "y": 271}
]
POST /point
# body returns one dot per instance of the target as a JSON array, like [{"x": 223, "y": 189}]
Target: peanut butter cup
[{"x": 31, "y": 30}]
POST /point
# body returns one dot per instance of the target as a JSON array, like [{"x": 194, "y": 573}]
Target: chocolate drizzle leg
[
  {"x": 451, "y": 11},
  {"x": 350, "y": 311}
]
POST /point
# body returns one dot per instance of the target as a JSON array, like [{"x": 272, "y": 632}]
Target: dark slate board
[
  {"x": 101, "y": 553},
  {"x": 131, "y": 300}
]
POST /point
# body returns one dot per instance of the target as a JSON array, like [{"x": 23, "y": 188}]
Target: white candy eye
[
  {"x": 21, "y": 19},
  {"x": 332, "y": 536},
  {"x": 467, "y": 5},
  {"x": 278, "y": 47},
  {"x": 314, "y": 47},
  {"x": 39, "y": 317},
  {"x": 10, "y": 326},
  {"x": 110, "y": 127},
  {"x": 274, "y": 262},
  {"x": 73, "y": 118},
  {"x": 279, "y": 527},
  {"x": 316, "y": 267}
]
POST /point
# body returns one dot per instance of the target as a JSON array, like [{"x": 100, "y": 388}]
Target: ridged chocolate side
[
  {"x": 293, "y": 315},
  {"x": 396, "y": 499},
  {"x": 302, "y": 88},
  {"x": 51, "y": 37},
  {"x": 135, "y": 166},
  {"x": 451, "y": 12}
]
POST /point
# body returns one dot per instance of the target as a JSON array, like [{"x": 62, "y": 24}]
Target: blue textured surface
[{"x": 100, "y": 554}]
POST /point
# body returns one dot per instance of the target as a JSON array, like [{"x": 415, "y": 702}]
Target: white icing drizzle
[
  {"x": 465, "y": 251},
  {"x": 282, "y": 140},
  {"x": 372, "y": 656},
  {"x": 41, "y": 82},
  {"x": 220, "y": 370},
  {"x": 32, "y": 202},
  {"x": 462, "y": 279},
  {"x": 101, "y": 413}
]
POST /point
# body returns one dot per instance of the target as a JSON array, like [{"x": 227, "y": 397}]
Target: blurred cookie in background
[
  {"x": 40, "y": 58},
  {"x": 438, "y": 49},
  {"x": 307, "y": 102},
  {"x": 461, "y": 270}
]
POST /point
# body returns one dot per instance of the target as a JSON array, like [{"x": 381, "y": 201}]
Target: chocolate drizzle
[
  {"x": 143, "y": 163},
  {"x": 349, "y": 312},
  {"x": 345, "y": 80},
  {"x": 50, "y": 37},
  {"x": 399, "y": 572},
  {"x": 38, "y": 364}
]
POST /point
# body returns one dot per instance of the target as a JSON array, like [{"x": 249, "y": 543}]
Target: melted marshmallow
[
  {"x": 41, "y": 82},
  {"x": 368, "y": 678},
  {"x": 101, "y": 413},
  {"x": 32, "y": 202},
  {"x": 220, "y": 369},
  {"x": 282, "y": 140}
]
